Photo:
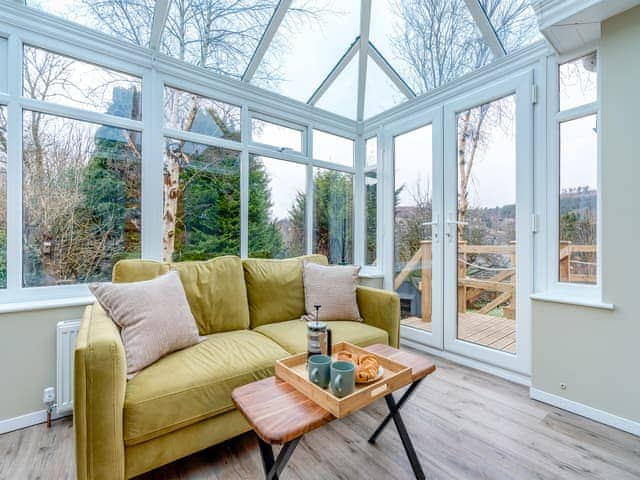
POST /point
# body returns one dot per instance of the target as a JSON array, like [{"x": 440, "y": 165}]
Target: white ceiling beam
[
  {"x": 365, "y": 24},
  {"x": 160, "y": 15},
  {"x": 337, "y": 70},
  {"x": 265, "y": 40},
  {"x": 391, "y": 72},
  {"x": 486, "y": 28}
]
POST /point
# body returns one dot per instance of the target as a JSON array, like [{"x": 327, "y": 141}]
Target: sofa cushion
[
  {"x": 334, "y": 289},
  {"x": 191, "y": 385},
  {"x": 292, "y": 335},
  {"x": 275, "y": 289},
  {"x": 215, "y": 289},
  {"x": 153, "y": 315}
]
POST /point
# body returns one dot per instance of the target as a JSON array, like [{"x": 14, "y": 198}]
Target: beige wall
[
  {"x": 596, "y": 352},
  {"x": 28, "y": 358}
]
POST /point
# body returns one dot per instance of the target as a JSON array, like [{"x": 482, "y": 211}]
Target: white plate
[{"x": 378, "y": 377}]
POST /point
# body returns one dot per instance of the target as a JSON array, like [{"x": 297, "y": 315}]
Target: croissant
[
  {"x": 347, "y": 356},
  {"x": 367, "y": 368}
]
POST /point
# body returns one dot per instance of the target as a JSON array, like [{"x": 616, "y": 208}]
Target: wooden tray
[{"x": 293, "y": 370}]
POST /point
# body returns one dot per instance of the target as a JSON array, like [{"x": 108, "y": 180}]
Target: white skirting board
[
  {"x": 586, "y": 411},
  {"x": 542, "y": 396},
  {"x": 27, "y": 420}
]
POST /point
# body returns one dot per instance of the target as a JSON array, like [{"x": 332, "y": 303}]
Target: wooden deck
[{"x": 493, "y": 332}]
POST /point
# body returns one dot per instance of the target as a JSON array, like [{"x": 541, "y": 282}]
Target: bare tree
[
  {"x": 127, "y": 19},
  {"x": 438, "y": 42}
]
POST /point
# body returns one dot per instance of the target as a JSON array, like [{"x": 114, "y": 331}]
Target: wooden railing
[{"x": 501, "y": 284}]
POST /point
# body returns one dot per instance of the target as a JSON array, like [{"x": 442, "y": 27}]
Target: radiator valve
[{"x": 49, "y": 398}]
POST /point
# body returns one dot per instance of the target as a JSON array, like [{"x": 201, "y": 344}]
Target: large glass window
[
  {"x": 578, "y": 171},
  {"x": 81, "y": 199},
  {"x": 66, "y": 81},
  {"x": 341, "y": 98},
  {"x": 371, "y": 201},
  {"x": 430, "y": 43},
  {"x": 381, "y": 93},
  {"x": 333, "y": 215},
  {"x": 276, "y": 135},
  {"x": 201, "y": 201},
  {"x": 195, "y": 113},
  {"x": 217, "y": 35},
  {"x": 371, "y": 217},
  {"x": 371, "y": 151},
  {"x": 126, "y": 20},
  {"x": 312, "y": 38},
  {"x": 413, "y": 209},
  {"x": 578, "y": 81},
  {"x": 514, "y": 22},
  {"x": 276, "y": 208},
  {"x": 3, "y": 196},
  {"x": 486, "y": 247},
  {"x": 332, "y": 148},
  {"x": 578, "y": 200}
]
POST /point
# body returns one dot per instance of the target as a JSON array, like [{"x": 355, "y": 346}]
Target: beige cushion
[
  {"x": 153, "y": 315},
  {"x": 215, "y": 289},
  {"x": 334, "y": 288}
]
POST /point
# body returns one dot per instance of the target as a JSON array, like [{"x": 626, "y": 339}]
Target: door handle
[
  {"x": 451, "y": 223},
  {"x": 435, "y": 223}
]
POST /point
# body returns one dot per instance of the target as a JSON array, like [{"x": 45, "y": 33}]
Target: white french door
[
  {"x": 488, "y": 248},
  {"x": 415, "y": 209},
  {"x": 462, "y": 207}
]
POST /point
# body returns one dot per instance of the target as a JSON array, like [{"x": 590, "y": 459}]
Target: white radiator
[{"x": 66, "y": 333}]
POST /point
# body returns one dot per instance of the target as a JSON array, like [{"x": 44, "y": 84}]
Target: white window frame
[
  {"x": 279, "y": 123},
  {"x": 21, "y": 26},
  {"x": 17, "y": 106},
  {"x": 555, "y": 290}
]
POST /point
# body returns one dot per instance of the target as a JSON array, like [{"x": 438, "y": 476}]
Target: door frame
[
  {"x": 522, "y": 86},
  {"x": 431, "y": 117}
]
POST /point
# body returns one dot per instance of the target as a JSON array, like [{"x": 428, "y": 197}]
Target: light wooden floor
[
  {"x": 465, "y": 425},
  {"x": 494, "y": 332}
]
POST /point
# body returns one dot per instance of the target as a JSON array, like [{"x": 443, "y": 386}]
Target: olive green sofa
[{"x": 249, "y": 312}]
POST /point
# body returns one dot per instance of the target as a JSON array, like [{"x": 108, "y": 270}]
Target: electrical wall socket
[{"x": 49, "y": 395}]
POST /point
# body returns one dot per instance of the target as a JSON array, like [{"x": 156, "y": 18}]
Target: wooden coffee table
[{"x": 280, "y": 415}]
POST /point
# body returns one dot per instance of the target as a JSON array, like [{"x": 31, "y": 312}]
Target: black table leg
[
  {"x": 394, "y": 414},
  {"x": 403, "y": 399},
  {"x": 273, "y": 468},
  {"x": 404, "y": 436}
]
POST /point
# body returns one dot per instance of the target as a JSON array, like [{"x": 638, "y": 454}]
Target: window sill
[
  {"x": 33, "y": 305},
  {"x": 372, "y": 274},
  {"x": 563, "y": 299}
]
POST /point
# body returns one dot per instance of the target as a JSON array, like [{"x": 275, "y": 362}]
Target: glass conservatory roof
[{"x": 356, "y": 58}]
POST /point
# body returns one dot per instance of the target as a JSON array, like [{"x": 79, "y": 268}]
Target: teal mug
[
  {"x": 319, "y": 370},
  {"x": 343, "y": 378}
]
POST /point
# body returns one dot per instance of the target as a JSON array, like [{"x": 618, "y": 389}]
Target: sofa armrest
[
  {"x": 100, "y": 380},
  {"x": 381, "y": 308}
]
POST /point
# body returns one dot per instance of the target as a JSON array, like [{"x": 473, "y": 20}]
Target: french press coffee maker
[{"x": 318, "y": 336}]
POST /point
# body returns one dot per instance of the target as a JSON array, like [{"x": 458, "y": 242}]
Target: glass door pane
[
  {"x": 486, "y": 225},
  {"x": 413, "y": 250}
]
